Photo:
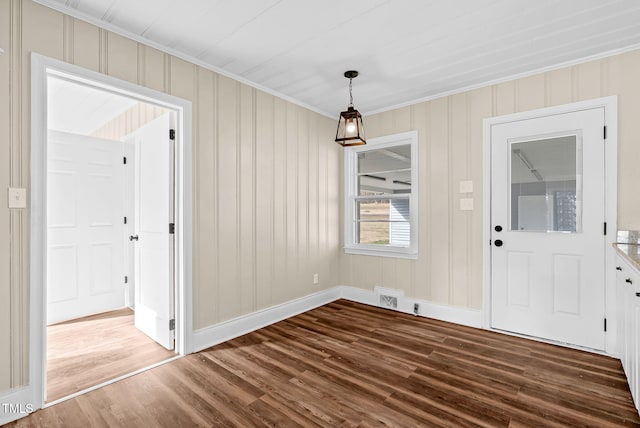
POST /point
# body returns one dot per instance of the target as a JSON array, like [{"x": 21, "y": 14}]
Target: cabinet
[{"x": 628, "y": 316}]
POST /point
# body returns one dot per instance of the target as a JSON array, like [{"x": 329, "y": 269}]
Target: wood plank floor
[
  {"x": 88, "y": 351},
  {"x": 346, "y": 364}
]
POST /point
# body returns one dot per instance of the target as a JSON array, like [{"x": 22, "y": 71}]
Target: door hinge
[
  {"x": 172, "y": 324},
  {"x": 124, "y": 160},
  {"x": 172, "y": 134},
  {"x": 605, "y": 324},
  {"x": 126, "y": 279},
  {"x": 605, "y": 228},
  {"x": 125, "y": 220},
  {"x": 172, "y": 228},
  {"x": 604, "y": 132}
]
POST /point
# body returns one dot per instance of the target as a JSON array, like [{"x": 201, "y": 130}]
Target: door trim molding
[
  {"x": 41, "y": 66},
  {"x": 610, "y": 105}
]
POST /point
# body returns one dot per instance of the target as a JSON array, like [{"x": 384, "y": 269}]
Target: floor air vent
[{"x": 387, "y": 301}]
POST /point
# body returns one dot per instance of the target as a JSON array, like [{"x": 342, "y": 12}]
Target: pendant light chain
[{"x": 350, "y": 93}]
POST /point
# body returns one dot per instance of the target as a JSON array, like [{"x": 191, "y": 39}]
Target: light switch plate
[
  {"x": 17, "y": 197},
  {"x": 466, "y": 204},
  {"x": 466, "y": 186}
]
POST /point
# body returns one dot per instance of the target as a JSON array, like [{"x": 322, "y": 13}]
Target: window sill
[{"x": 394, "y": 253}]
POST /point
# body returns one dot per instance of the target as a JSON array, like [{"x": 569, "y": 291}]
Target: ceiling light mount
[
  {"x": 350, "y": 128},
  {"x": 351, "y": 74}
]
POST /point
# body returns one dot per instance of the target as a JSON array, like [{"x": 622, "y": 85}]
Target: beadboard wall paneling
[
  {"x": 125, "y": 123},
  {"x": 622, "y": 79},
  {"x": 449, "y": 267},
  {"x": 6, "y": 134},
  {"x": 264, "y": 171},
  {"x": 267, "y": 177}
]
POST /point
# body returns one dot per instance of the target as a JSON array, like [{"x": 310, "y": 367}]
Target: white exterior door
[
  {"x": 154, "y": 282},
  {"x": 85, "y": 254},
  {"x": 547, "y": 219}
]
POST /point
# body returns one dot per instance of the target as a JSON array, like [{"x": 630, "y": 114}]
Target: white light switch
[
  {"x": 17, "y": 197},
  {"x": 466, "y": 204},
  {"x": 466, "y": 186}
]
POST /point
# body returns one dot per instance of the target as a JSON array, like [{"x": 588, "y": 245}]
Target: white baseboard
[
  {"x": 15, "y": 404},
  {"x": 454, "y": 314},
  {"x": 210, "y": 336},
  {"x": 227, "y": 330}
]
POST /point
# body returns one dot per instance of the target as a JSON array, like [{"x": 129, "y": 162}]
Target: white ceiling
[
  {"x": 79, "y": 109},
  {"x": 405, "y": 50}
]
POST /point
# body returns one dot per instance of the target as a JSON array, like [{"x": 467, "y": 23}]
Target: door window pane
[{"x": 546, "y": 185}]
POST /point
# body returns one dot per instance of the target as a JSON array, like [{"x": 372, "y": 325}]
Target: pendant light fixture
[{"x": 350, "y": 129}]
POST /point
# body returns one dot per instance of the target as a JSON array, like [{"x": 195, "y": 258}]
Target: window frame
[{"x": 351, "y": 193}]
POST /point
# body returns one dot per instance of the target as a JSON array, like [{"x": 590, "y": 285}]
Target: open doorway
[
  {"x": 109, "y": 181},
  {"x": 109, "y": 276}
]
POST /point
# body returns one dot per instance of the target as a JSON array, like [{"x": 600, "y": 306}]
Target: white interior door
[
  {"x": 547, "y": 215},
  {"x": 85, "y": 254},
  {"x": 154, "y": 283},
  {"x": 129, "y": 224}
]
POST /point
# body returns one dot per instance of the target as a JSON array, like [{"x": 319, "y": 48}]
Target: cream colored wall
[
  {"x": 449, "y": 267},
  {"x": 125, "y": 123},
  {"x": 266, "y": 188},
  {"x": 265, "y": 176}
]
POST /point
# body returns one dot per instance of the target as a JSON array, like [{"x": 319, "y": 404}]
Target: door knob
[
  {"x": 498, "y": 228},
  {"x": 618, "y": 268},
  {"x": 637, "y": 294},
  {"x": 133, "y": 238},
  {"x": 498, "y": 242},
  {"x": 628, "y": 280}
]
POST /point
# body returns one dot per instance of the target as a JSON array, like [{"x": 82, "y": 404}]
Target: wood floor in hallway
[
  {"x": 88, "y": 351},
  {"x": 347, "y": 364}
]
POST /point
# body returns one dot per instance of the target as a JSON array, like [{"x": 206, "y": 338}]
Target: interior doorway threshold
[{"x": 109, "y": 382}]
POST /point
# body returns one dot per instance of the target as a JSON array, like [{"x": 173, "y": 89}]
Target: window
[
  {"x": 381, "y": 197},
  {"x": 546, "y": 185}
]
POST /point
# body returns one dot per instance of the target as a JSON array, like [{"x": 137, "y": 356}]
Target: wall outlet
[{"x": 316, "y": 278}]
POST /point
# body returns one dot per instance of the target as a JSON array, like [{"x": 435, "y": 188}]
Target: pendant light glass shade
[{"x": 350, "y": 127}]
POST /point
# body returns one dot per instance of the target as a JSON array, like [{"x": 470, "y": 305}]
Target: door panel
[
  {"x": 547, "y": 192},
  {"x": 154, "y": 286},
  {"x": 519, "y": 278},
  {"x": 85, "y": 271},
  {"x": 63, "y": 274},
  {"x": 566, "y": 283}
]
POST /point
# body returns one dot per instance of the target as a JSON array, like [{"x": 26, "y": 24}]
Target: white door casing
[
  {"x": 41, "y": 68},
  {"x": 544, "y": 282},
  {"x": 85, "y": 252},
  {"x": 154, "y": 255}
]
